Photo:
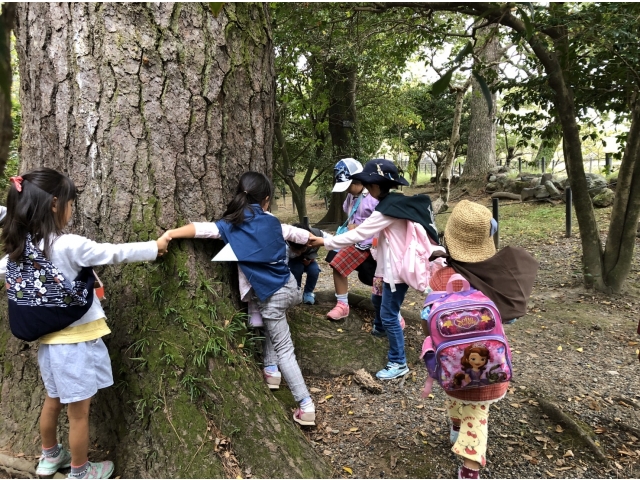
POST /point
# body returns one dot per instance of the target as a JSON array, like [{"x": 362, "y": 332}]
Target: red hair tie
[{"x": 17, "y": 181}]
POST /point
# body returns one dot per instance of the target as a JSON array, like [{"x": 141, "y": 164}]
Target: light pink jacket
[{"x": 375, "y": 226}]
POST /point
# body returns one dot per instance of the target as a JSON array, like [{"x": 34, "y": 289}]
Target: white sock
[
  {"x": 307, "y": 405},
  {"x": 343, "y": 298}
]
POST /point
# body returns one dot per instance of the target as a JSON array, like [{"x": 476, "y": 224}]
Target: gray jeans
[{"x": 278, "y": 346}]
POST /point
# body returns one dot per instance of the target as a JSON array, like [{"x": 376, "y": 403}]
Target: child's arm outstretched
[{"x": 367, "y": 229}]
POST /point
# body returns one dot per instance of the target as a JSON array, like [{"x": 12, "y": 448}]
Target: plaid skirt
[{"x": 348, "y": 259}]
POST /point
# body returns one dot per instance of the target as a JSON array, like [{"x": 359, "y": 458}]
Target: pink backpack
[
  {"x": 467, "y": 348},
  {"x": 411, "y": 259}
]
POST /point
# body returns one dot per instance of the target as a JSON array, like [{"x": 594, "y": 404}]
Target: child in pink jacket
[{"x": 379, "y": 177}]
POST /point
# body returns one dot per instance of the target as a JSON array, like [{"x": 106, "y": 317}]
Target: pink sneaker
[
  {"x": 341, "y": 310},
  {"x": 304, "y": 418},
  {"x": 402, "y": 324},
  {"x": 273, "y": 379}
]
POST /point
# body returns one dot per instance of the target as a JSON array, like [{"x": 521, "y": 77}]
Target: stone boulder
[
  {"x": 527, "y": 194},
  {"x": 551, "y": 188},
  {"x": 596, "y": 184},
  {"x": 520, "y": 185},
  {"x": 604, "y": 198},
  {"x": 560, "y": 181},
  {"x": 492, "y": 187},
  {"x": 541, "y": 192}
]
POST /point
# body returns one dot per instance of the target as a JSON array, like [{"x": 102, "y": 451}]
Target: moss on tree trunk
[{"x": 155, "y": 110}]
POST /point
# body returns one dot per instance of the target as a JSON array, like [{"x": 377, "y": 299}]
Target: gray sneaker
[
  {"x": 97, "y": 470},
  {"x": 50, "y": 465}
]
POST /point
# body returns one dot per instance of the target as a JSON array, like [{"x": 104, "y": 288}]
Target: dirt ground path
[{"x": 573, "y": 409}]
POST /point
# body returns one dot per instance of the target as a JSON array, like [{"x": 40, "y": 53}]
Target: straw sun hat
[{"x": 467, "y": 235}]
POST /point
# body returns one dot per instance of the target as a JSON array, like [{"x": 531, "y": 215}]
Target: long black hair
[
  {"x": 253, "y": 188},
  {"x": 30, "y": 210}
]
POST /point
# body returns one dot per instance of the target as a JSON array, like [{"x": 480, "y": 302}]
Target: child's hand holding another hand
[
  {"x": 163, "y": 243},
  {"x": 315, "y": 241}
]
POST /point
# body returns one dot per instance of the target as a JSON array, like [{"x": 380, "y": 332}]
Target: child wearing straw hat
[{"x": 507, "y": 278}]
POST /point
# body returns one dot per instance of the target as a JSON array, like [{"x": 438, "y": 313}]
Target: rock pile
[{"x": 532, "y": 186}]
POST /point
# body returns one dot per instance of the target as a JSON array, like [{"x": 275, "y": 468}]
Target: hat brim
[
  {"x": 467, "y": 251},
  {"x": 375, "y": 179},
  {"x": 341, "y": 186}
]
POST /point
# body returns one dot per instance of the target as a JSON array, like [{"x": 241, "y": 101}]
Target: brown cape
[{"x": 506, "y": 278}]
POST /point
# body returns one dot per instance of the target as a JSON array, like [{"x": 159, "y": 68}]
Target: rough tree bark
[
  {"x": 155, "y": 110},
  {"x": 6, "y": 125},
  {"x": 481, "y": 147}
]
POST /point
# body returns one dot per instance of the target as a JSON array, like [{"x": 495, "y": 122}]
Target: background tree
[
  {"x": 155, "y": 110},
  {"x": 429, "y": 120},
  {"x": 481, "y": 156},
  {"x": 584, "y": 50},
  {"x": 6, "y": 125},
  {"x": 336, "y": 70}
]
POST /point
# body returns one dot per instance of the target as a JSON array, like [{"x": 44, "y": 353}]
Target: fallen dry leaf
[
  {"x": 559, "y": 429},
  {"x": 348, "y": 470}
]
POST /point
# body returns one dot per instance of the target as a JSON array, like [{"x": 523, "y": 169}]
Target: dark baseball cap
[{"x": 380, "y": 170}]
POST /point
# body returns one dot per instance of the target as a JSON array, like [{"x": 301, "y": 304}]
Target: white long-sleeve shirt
[
  {"x": 210, "y": 230},
  {"x": 70, "y": 253}
]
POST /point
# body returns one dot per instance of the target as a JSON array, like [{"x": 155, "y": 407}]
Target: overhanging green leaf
[
  {"x": 216, "y": 7},
  {"x": 468, "y": 48},
  {"x": 442, "y": 83},
  {"x": 485, "y": 90}
]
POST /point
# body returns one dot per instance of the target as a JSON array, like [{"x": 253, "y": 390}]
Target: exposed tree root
[
  {"x": 628, "y": 401},
  {"x": 624, "y": 426},
  {"x": 17, "y": 467},
  {"x": 366, "y": 381},
  {"x": 555, "y": 412}
]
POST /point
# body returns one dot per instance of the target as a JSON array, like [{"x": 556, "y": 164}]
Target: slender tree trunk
[
  {"x": 155, "y": 110},
  {"x": 618, "y": 252},
  {"x": 444, "y": 181},
  {"x": 6, "y": 125},
  {"x": 415, "y": 167},
  {"x": 481, "y": 147},
  {"x": 342, "y": 125}
]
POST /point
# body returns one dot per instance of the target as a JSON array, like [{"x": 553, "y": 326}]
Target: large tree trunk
[
  {"x": 6, "y": 125},
  {"x": 155, "y": 110},
  {"x": 481, "y": 147}
]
